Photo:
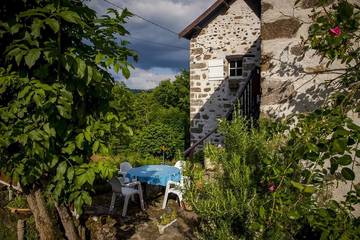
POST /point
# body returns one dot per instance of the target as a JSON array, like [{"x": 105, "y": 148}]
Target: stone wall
[
  {"x": 289, "y": 82},
  {"x": 235, "y": 31}
]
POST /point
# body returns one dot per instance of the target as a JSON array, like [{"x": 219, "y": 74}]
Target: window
[
  {"x": 236, "y": 68},
  {"x": 216, "y": 69}
]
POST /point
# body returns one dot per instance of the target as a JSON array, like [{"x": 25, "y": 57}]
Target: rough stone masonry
[{"x": 235, "y": 31}]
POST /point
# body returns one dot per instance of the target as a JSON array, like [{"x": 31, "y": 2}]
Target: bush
[
  {"x": 265, "y": 189},
  {"x": 158, "y": 140}
]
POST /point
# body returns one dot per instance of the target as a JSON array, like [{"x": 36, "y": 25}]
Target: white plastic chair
[
  {"x": 124, "y": 168},
  {"x": 176, "y": 188},
  {"x": 180, "y": 165},
  {"x": 127, "y": 190}
]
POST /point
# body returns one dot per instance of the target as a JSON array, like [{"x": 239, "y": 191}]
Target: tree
[
  {"x": 174, "y": 94},
  {"x": 160, "y": 140},
  {"x": 55, "y": 110}
]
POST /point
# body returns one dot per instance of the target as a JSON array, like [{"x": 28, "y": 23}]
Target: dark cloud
[{"x": 173, "y": 14}]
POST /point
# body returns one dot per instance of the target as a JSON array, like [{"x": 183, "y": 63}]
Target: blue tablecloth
[{"x": 155, "y": 174}]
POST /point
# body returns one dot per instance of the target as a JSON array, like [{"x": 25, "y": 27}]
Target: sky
[{"x": 156, "y": 62}]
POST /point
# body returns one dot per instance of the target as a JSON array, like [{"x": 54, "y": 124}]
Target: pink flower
[
  {"x": 336, "y": 31},
  {"x": 272, "y": 187}
]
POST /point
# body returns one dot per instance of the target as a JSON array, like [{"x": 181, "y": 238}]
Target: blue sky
[{"x": 156, "y": 62}]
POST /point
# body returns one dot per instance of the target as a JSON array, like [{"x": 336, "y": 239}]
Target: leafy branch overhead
[{"x": 55, "y": 86}]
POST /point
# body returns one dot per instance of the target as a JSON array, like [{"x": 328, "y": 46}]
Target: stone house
[
  {"x": 231, "y": 38},
  {"x": 224, "y": 49}
]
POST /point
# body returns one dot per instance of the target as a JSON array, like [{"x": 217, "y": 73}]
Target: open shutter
[{"x": 216, "y": 69}]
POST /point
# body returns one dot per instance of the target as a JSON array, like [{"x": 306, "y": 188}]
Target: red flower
[
  {"x": 272, "y": 187},
  {"x": 336, "y": 31}
]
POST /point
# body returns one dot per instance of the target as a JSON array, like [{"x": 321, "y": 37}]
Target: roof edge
[{"x": 189, "y": 30}]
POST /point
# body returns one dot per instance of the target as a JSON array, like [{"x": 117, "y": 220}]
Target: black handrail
[{"x": 247, "y": 100}]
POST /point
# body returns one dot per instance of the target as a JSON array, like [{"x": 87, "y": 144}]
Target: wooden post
[
  {"x": 10, "y": 193},
  {"x": 20, "y": 229}
]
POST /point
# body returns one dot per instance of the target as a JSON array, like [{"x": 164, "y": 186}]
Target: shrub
[
  {"x": 159, "y": 140},
  {"x": 269, "y": 186}
]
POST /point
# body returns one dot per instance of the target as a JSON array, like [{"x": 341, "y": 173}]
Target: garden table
[{"x": 155, "y": 174}]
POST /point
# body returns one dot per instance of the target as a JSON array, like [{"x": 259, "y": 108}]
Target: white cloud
[{"x": 147, "y": 79}]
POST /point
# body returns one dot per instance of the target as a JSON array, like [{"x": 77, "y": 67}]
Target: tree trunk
[
  {"x": 67, "y": 222},
  {"x": 43, "y": 222}
]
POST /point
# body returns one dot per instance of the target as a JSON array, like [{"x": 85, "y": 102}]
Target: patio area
[
  {"x": 161, "y": 188},
  {"x": 137, "y": 224}
]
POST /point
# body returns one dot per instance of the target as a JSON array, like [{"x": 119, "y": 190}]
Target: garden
[{"x": 67, "y": 125}]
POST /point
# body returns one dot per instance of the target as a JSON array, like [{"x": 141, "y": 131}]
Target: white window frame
[{"x": 236, "y": 60}]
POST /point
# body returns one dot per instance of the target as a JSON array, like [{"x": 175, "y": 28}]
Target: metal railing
[{"x": 247, "y": 101}]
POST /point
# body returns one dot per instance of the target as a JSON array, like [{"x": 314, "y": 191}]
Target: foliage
[
  {"x": 159, "y": 118},
  {"x": 159, "y": 139},
  {"x": 55, "y": 110},
  {"x": 167, "y": 217},
  {"x": 174, "y": 94},
  {"x": 272, "y": 187},
  {"x": 18, "y": 202},
  {"x": 335, "y": 36}
]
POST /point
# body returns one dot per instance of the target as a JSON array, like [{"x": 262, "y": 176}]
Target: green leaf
[
  {"x": 53, "y": 24},
  {"x": 309, "y": 189},
  {"x": 103, "y": 149},
  {"x": 116, "y": 68},
  {"x": 32, "y": 56},
  {"x": 99, "y": 57},
  {"x": 109, "y": 62},
  {"x": 80, "y": 141},
  {"x": 19, "y": 57},
  {"x": 339, "y": 145},
  {"x": 54, "y": 161},
  {"x": 344, "y": 160},
  {"x": 61, "y": 169},
  {"x": 24, "y": 92},
  {"x": 294, "y": 215},
  {"x": 298, "y": 185},
  {"x": 95, "y": 146},
  {"x": 70, "y": 173},
  {"x": 81, "y": 67},
  {"x": 262, "y": 212},
  {"x": 37, "y": 100},
  {"x": 73, "y": 196},
  {"x": 334, "y": 165},
  {"x": 64, "y": 111},
  {"x": 56, "y": 193},
  {"x": 89, "y": 74},
  {"x": 71, "y": 17},
  {"x": 69, "y": 149},
  {"x": 87, "y": 135},
  {"x": 15, "y": 28},
  {"x": 348, "y": 174},
  {"x": 36, "y": 27},
  {"x": 78, "y": 205},
  {"x": 126, "y": 72},
  {"x": 86, "y": 198}
]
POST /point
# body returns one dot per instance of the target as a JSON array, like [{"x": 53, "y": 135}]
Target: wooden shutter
[{"x": 216, "y": 69}]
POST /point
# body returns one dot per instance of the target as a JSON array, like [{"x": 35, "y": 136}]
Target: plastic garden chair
[
  {"x": 180, "y": 165},
  {"x": 126, "y": 190},
  {"x": 124, "y": 168},
  {"x": 176, "y": 188}
]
